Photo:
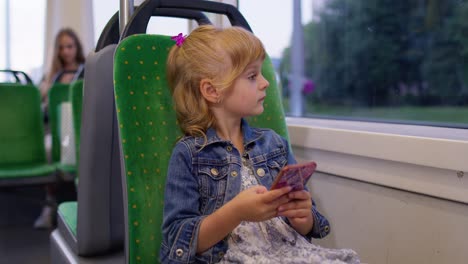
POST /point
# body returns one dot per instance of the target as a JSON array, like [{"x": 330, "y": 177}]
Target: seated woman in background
[
  {"x": 67, "y": 63},
  {"x": 67, "y": 67}
]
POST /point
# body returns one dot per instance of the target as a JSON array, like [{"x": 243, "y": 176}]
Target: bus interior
[{"x": 374, "y": 92}]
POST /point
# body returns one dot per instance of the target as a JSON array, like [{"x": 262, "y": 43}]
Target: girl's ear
[{"x": 209, "y": 92}]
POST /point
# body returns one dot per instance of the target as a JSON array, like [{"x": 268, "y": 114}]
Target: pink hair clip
[{"x": 179, "y": 39}]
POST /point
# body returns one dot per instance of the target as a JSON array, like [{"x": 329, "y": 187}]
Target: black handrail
[
  {"x": 16, "y": 74},
  {"x": 111, "y": 35},
  {"x": 140, "y": 18},
  {"x": 138, "y": 22}
]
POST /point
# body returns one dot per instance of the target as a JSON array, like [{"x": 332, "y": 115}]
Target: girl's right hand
[{"x": 257, "y": 204}]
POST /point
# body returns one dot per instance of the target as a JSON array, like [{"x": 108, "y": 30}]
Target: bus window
[{"x": 405, "y": 62}]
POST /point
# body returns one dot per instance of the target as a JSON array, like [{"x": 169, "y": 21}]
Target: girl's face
[
  {"x": 67, "y": 49},
  {"x": 246, "y": 96}
]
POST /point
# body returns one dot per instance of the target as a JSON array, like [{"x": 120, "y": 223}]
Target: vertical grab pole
[
  {"x": 297, "y": 63},
  {"x": 7, "y": 35},
  {"x": 125, "y": 12}
]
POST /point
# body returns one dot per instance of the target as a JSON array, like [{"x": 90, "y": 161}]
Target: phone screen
[{"x": 295, "y": 176}]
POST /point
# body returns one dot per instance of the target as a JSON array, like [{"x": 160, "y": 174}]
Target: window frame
[{"x": 421, "y": 159}]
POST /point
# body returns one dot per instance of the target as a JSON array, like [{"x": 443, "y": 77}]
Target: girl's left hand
[{"x": 298, "y": 211}]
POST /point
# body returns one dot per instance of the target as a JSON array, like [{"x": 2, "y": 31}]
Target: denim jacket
[{"x": 203, "y": 177}]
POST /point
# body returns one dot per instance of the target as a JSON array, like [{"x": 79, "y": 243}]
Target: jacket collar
[{"x": 250, "y": 135}]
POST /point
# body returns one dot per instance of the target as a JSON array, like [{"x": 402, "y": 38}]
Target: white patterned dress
[{"x": 274, "y": 241}]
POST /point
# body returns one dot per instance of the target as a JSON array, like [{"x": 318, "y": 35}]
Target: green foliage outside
[
  {"x": 402, "y": 59},
  {"x": 438, "y": 114}
]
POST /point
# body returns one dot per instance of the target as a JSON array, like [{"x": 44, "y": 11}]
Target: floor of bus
[{"x": 19, "y": 207}]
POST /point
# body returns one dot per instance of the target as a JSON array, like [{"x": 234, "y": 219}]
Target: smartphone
[{"x": 295, "y": 175}]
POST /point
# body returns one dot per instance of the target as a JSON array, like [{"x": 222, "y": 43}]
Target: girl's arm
[
  {"x": 305, "y": 218},
  {"x": 254, "y": 204},
  {"x": 299, "y": 211}
]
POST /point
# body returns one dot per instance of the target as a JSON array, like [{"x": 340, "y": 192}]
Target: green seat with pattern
[
  {"x": 148, "y": 129},
  {"x": 148, "y": 133}
]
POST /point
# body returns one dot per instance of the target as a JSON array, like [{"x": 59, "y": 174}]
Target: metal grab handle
[
  {"x": 139, "y": 20},
  {"x": 111, "y": 34},
  {"x": 233, "y": 14}
]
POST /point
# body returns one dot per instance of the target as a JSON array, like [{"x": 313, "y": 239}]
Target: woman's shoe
[{"x": 46, "y": 218}]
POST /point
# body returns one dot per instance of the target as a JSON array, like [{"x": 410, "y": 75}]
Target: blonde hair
[{"x": 203, "y": 55}]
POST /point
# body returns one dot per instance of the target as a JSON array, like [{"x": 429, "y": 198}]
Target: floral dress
[{"x": 274, "y": 241}]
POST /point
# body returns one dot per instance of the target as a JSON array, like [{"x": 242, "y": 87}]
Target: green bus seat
[
  {"x": 148, "y": 132},
  {"x": 98, "y": 214},
  {"x": 22, "y": 150},
  {"x": 59, "y": 93},
  {"x": 76, "y": 99},
  {"x": 67, "y": 211},
  {"x": 100, "y": 205},
  {"x": 100, "y": 217},
  {"x": 91, "y": 229}
]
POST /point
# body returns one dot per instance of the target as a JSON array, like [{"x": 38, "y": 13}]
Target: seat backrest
[
  {"x": 21, "y": 126},
  {"x": 58, "y": 94},
  {"x": 148, "y": 131},
  {"x": 76, "y": 98},
  {"x": 100, "y": 227},
  {"x": 100, "y": 209}
]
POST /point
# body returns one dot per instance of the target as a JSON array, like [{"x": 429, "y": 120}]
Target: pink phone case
[{"x": 295, "y": 175}]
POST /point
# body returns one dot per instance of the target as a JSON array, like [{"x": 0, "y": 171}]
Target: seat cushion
[
  {"x": 66, "y": 167},
  {"x": 29, "y": 170},
  {"x": 67, "y": 212}
]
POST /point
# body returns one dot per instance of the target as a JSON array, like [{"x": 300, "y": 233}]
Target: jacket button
[
  {"x": 221, "y": 254},
  {"x": 214, "y": 171},
  {"x": 326, "y": 228},
  {"x": 261, "y": 172},
  {"x": 229, "y": 148},
  {"x": 234, "y": 173},
  {"x": 179, "y": 252}
]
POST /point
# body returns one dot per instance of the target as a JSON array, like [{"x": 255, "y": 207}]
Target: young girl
[{"x": 218, "y": 207}]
